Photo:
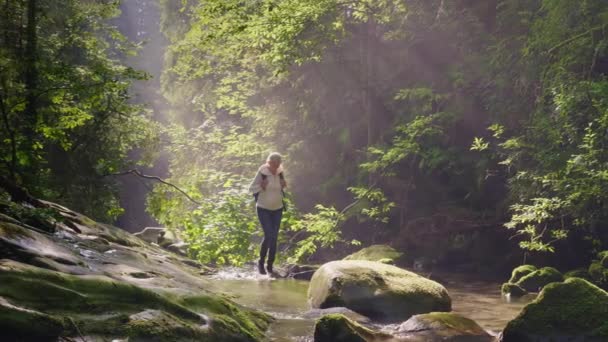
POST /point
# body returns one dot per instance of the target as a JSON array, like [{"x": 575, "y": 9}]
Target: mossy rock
[
  {"x": 574, "y": 310},
  {"x": 101, "y": 306},
  {"x": 445, "y": 326},
  {"x": 521, "y": 271},
  {"x": 599, "y": 274},
  {"x": 21, "y": 324},
  {"x": 604, "y": 259},
  {"x": 578, "y": 273},
  {"x": 381, "y": 253},
  {"x": 376, "y": 290},
  {"x": 338, "y": 328},
  {"x": 535, "y": 281},
  {"x": 512, "y": 290}
]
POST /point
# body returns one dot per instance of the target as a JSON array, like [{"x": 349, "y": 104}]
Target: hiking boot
[
  {"x": 261, "y": 267},
  {"x": 269, "y": 268}
]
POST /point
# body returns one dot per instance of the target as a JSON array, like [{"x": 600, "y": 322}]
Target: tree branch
[
  {"x": 578, "y": 36},
  {"x": 158, "y": 179}
]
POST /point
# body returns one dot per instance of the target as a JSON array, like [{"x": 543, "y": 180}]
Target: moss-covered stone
[
  {"x": 338, "y": 328},
  {"x": 126, "y": 310},
  {"x": 535, "y": 281},
  {"x": 599, "y": 274},
  {"x": 445, "y": 326},
  {"x": 380, "y": 253},
  {"x": 578, "y": 273},
  {"x": 250, "y": 321},
  {"x": 574, "y": 310},
  {"x": 603, "y": 257},
  {"x": 19, "y": 324},
  {"x": 512, "y": 290},
  {"x": 521, "y": 271},
  {"x": 376, "y": 290}
]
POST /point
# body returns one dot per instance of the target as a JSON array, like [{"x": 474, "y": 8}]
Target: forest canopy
[{"x": 397, "y": 118}]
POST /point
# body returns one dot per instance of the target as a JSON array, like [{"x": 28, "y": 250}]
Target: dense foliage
[
  {"x": 66, "y": 120},
  {"x": 421, "y": 109},
  {"x": 430, "y": 124}
]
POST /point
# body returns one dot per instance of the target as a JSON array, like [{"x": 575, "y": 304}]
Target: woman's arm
[{"x": 256, "y": 184}]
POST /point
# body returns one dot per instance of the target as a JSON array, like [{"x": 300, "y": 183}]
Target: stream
[{"x": 285, "y": 299}]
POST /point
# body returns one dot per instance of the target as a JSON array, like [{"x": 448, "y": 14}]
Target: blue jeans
[{"x": 270, "y": 220}]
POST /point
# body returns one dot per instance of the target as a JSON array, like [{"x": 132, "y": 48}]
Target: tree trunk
[{"x": 31, "y": 70}]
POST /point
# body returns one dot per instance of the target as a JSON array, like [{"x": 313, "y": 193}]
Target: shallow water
[{"x": 285, "y": 299}]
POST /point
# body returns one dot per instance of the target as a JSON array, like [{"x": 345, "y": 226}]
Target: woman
[{"x": 267, "y": 187}]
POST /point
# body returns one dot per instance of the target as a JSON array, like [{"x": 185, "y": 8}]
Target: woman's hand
[{"x": 263, "y": 184}]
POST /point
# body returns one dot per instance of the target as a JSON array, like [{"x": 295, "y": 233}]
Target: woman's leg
[
  {"x": 276, "y": 216},
  {"x": 266, "y": 221}
]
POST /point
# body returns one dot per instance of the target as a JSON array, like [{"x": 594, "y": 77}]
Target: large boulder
[
  {"x": 574, "y": 310},
  {"x": 94, "y": 280},
  {"x": 376, "y": 290},
  {"x": 381, "y": 253},
  {"x": 444, "y": 326},
  {"x": 40, "y": 304}
]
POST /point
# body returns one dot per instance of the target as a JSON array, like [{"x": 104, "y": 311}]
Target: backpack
[{"x": 283, "y": 191}]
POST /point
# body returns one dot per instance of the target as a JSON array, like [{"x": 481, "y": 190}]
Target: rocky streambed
[{"x": 64, "y": 276}]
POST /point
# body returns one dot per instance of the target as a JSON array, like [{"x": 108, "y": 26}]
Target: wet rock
[
  {"x": 316, "y": 313},
  {"x": 380, "y": 253},
  {"x": 574, "y": 310},
  {"x": 338, "y": 328},
  {"x": 21, "y": 324},
  {"x": 512, "y": 290},
  {"x": 301, "y": 272},
  {"x": 379, "y": 291},
  {"x": 106, "y": 307},
  {"x": 443, "y": 326},
  {"x": 104, "y": 283},
  {"x": 20, "y": 243},
  {"x": 180, "y": 248}
]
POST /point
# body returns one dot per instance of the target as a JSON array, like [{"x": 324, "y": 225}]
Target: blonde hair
[{"x": 276, "y": 156}]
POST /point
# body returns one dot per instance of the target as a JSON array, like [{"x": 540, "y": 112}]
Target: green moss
[
  {"x": 572, "y": 308},
  {"x": 11, "y": 230},
  {"x": 604, "y": 260},
  {"x": 338, "y": 328},
  {"x": 380, "y": 253},
  {"x": 512, "y": 290},
  {"x": 536, "y": 280},
  {"x": 253, "y": 322},
  {"x": 376, "y": 290},
  {"x": 63, "y": 292},
  {"x": 106, "y": 307},
  {"x": 20, "y": 324},
  {"x": 521, "y": 271},
  {"x": 459, "y": 325},
  {"x": 599, "y": 274}
]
